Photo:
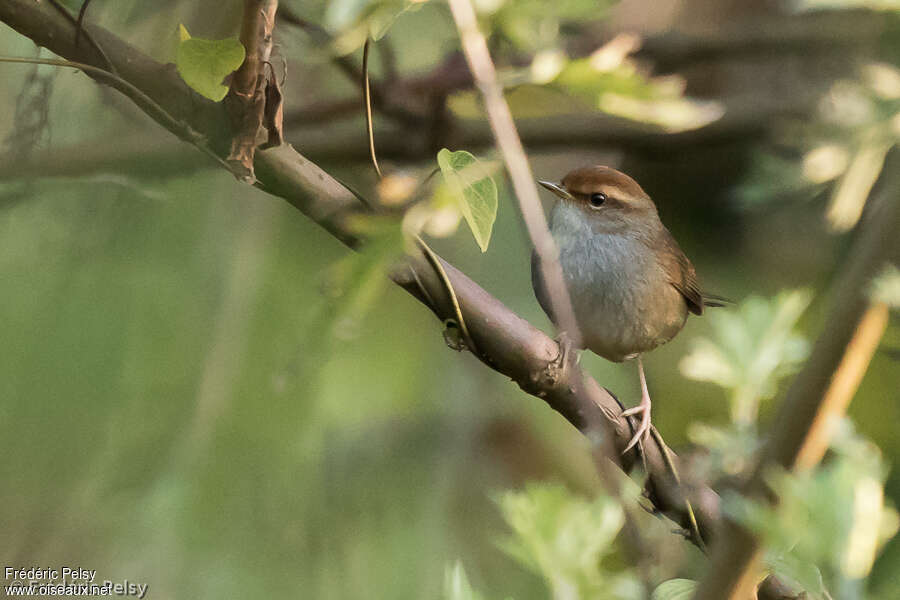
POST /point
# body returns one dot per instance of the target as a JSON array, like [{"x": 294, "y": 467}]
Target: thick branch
[{"x": 246, "y": 98}]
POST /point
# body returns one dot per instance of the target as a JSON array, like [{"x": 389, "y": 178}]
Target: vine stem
[
  {"x": 433, "y": 258},
  {"x": 156, "y": 112},
  {"x": 367, "y": 99}
]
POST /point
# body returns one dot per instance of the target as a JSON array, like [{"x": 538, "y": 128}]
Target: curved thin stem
[
  {"x": 448, "y": 285},
  {"x": 689, "y": 509},
  {"x": 367, "y": 98},
  {"x": 156, "y": 112},
  {"x": 433, "y": 259},
  {"x": 79, "y": 30}
]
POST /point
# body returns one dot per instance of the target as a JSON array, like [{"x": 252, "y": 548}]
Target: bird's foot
[{"x": 643, "y": 409}]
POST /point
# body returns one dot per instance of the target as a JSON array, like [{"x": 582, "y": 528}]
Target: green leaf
[
  {"x": 729, "y": 450},
  {"x": 564, "y": 538},
  {"x": 533, "y": 25},
  {"x": 675, "y": 589},
  {"x": 352, "y": 21},
  {"x": 469, "y": 181},
  {"x": 829, "y": 523},
  {"x": 613, "y": 83},
  {"x": 203, "y": 64},
  {"x": 852, "y": 191},
  {"x": 456, "y": 584},
  {"x": 752, "y": 348}
]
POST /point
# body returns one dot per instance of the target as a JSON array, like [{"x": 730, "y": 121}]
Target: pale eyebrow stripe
[{"x": 616, "y": 194}]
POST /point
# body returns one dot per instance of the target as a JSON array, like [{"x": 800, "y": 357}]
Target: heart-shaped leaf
[
  {"x": 469, "y": 181},
  {"x": 203, "y": 64}
]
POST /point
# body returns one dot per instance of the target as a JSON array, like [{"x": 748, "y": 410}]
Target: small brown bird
[{"x": 630, "y": 284}]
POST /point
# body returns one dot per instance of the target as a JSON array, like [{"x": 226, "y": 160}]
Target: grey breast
[{"x": 622, "y": 297}]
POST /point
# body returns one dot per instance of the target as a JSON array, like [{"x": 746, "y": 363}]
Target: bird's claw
[
  {"x": 644, "y": 426},
  {"x": 643, "y": 408}
]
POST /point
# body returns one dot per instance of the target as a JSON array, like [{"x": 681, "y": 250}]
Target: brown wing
[{"x": 681, "y": 272}]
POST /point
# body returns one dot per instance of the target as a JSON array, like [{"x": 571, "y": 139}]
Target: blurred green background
[{"x": 183, "y": 403}]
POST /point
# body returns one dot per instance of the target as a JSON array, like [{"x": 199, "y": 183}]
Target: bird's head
[{"x": 609, "y": 199}]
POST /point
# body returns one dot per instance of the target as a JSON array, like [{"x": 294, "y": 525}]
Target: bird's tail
[{"x": 713, "y": 301}]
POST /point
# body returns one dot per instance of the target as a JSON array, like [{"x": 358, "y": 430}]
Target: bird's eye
[{"x": 598, "y": 199}]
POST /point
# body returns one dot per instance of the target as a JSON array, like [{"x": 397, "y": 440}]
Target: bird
[{"x": 630, "y": 285}]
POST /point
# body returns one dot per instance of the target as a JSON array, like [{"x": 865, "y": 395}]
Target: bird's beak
[{"x": 556, "y": 189}]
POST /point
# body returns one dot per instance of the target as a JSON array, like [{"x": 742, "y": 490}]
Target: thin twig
[
  {"x": 426, "y": 250},
  {"x": 689, "y": 509},
  {"x": 79, "y": 30},
  {"x": 844, "y": 383},
  {"x": 154, "y": 110},
  {"x": 523, "y": 181},
  {"x": 367, "y": 100},
  {"x": 448, "y": 285},
  {"x": 421, "y": 286}
]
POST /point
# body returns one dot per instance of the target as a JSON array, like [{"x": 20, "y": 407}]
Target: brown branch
[
  {"x": 744, "y": 121},
  {"x": 346, "y": 144},
  {"x": 844, "y": 383},
  {"x": 507, "y": 343},
  {"x": 246, "y": 100},
  {"x": 819, "y": 38},
  {"x": 829, "y": 32},
  {"x": 797, "y": 431}
]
